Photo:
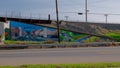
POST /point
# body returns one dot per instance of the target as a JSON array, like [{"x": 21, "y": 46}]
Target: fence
[{"x": 67, "y": 16}]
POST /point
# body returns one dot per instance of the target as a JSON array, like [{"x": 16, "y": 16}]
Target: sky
[{"x": 70, "y": 8}]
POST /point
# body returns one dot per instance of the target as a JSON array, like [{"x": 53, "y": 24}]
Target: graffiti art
[
  {"x": 20, "y": 31},
  {"x": 27, "y": 32}
]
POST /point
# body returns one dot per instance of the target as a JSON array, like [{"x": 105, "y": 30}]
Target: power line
[{"x": 92, "y": 13}]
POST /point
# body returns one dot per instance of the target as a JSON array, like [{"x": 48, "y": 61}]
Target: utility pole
[
  {"x": 57, "y": 16},
  {"x": 86, "y": 11}
]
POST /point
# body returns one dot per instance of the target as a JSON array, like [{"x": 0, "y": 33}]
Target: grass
[
  {"x": 26, "y": 42},
  {"x": 34, "y": 42},
  {"x": 113, "y": 35},
  {"x": 92, "y": 65},
  {"x": 92, "y": 39}
]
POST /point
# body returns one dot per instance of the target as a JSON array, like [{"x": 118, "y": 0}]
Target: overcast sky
[{"x": 41, "y": 8}]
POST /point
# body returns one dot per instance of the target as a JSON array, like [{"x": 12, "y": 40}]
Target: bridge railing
[{"x": 24, "y": 15}]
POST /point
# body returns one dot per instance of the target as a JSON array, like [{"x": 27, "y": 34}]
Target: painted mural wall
[
  {"x": 1, "y": 32},
  {"x": 69, "y": 36},
  {"x": 20, "y": 31},
  {"x": 27, "y": 32}
]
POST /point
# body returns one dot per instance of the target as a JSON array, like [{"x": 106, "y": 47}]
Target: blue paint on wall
[{"x": 27, "y": 32}]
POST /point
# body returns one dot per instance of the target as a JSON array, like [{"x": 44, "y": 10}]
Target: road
[{"x": 60, "y": 55}]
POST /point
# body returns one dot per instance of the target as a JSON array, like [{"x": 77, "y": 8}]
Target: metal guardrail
[{"x": 24, "y": 16}]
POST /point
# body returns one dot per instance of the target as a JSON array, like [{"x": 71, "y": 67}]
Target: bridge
[
  {"x": 68, "y": 26},
  {"x": 26, "y": 20}
]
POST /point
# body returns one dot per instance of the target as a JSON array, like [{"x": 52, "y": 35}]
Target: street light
[
  {"x": 19, "y": 15},
  {"x": 80, "y": 13},
  {"x": 106, "y": 16},
  {"x": 12, "y": 14},
  {"x": 66, "y": 17},
  {"x": 57, "y": 16},
  {"x": 6, "y": 16}
]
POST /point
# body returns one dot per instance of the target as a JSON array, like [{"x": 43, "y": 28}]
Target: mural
[
  {"x": 19, "y": 31},
  {"x": 69, "y": 36},
  {"x": 27, "y": 32},
  {"x": 7, "y": 34}
]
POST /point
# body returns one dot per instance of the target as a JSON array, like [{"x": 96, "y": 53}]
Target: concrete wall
[
  {"x": 1, "y": 28},
  {"x": 1, "y": 32}
]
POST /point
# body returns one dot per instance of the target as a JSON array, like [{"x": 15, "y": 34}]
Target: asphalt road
[{"x": 60, "y": 55}]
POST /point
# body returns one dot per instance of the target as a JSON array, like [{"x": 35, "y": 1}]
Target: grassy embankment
[
  {"x": 92, "y": 65},
  {"x": 114, "y": 35}
]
